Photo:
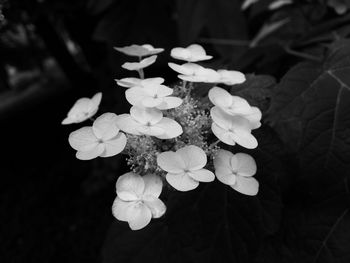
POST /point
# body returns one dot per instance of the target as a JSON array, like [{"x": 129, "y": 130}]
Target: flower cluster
[{"x": 169, "y": 134}]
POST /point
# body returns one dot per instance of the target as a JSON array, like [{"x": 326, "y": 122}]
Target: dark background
[{"x": 55, "y": 208}]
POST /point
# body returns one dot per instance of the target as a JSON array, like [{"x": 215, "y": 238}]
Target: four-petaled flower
[
  {"x": 137, "y": 200},
  {"x": 139, "y": 65},
  {"x": 185, "y": 167},
  {"x": 151, "y": 96},
  {"x": 234, "y": 105},
  {"x": 102, "y": 139},
  {"x": 231, "y": 77},
  {"x": 192, "y": 53},
  {"x": 148, "y": 121},
  {"x": 139, "y": 50},
  {"x": 195, "y": 73},
  {"x": 232, "y": 129},
  {"x": 236, "y": 170},
  {"x": 132, "y": 82},
  {"x": 83, "y": 109}
]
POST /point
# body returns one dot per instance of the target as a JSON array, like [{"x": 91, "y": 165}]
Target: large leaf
[
  {"x": 310, "y": 111},
  {"x": 210, "y": 224}
]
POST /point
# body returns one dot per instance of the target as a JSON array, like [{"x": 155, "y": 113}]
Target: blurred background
[{"x": 55, "y": 208}]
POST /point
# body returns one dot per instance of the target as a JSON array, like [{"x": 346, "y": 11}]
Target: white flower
[
  {"x": 132, "y": 82},
  {"x": 139, "y": 50},
  {"x": 138, "y": 200},
  {"x": 236, "y": 170},
  {"x": 231, "y": 77},
  {"x": 102, "y": 139},
  {"x": 232, "y": 129},
  {"x": 152, "y": 96},
  {"x": 139, "y": 65},
  {"x": 195, "y": 73},
  {"x": 192, "y": 53},
  {"x": 148, "y": 121},
  {"x": 234, "y": 105},
  {"x": 185, "y": 167},
  {"x": 83, "y": 109}
]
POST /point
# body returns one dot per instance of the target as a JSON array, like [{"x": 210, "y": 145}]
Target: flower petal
[
  {"x": 245, "y": 165},
  {"x": 172, "y": 128},
  {"x": 169, "y": 103},
  {"x": 245, "y": 139},
  {"x": 127, "y": 124},
  {"x": 146, "y": 115},
  {"x": 135, "y": 95},
  {"x": 223, "y": 169},
  {"x": 181, "y": 182},
  {"x": 246, "y": 185},
  {"x": 119, "y": 209},
  {"x": 130, "y": 186},
  {"x": 150, "y": 102},
  {"x": 95, "y": 101},
  {"x": 128, "y": 82},
  {"x": 185, "y": 69},
  {"x": 151, "y": 130},
  {"x": 140, "y": 65},
  {"x": 139, "y": 216},
  {"x": 171, "y": 162},
  {"x": 220, "y": 97},
  {"x": 193, "y": 156},
  {"x": 83, "y": 139},
  {"x": 222, "y": 134},
  {"x": 202, "y": 175},
  {"x": 156, "y": 206},
  {"x": 220, "y": 117},
  {"x": 254, "y": 117},
  {"x": 114, "y": 145},
  {"x": 133, "y": 50},
  {"x": 105, "y": 126},
  {"x": 197, "y": 53},
  {"x": 91, "y": 153},
  {"x": 231, "y": 77},
  {"x": 153, "y": 185}
]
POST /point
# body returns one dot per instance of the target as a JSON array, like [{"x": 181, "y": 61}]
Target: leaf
[
  {"x": 210, "y": 224},
  {"x": 221, "y": 19},
  {"x": 313, "y": 231},
  {"x": 257, "y": 90},
  {"x": 310, "y": 111}
]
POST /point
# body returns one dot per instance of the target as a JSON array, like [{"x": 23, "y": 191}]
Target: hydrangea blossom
[
  {"x": 140, "y": 65},
  {"x": 132, "y": 82},
  {"x": 102, "y": 139},
  {"x": 195, "y": 73},
  {"x": 232, "y": 129},
  {"x": 152, "y": 96},
  {"x": 148, "y": 121},
  {"x": 137, "y": 200},
  {"x": 234, "y": 105},
  {"x": 192, "y": 53},
  {"x": 83, "y": 109},
  {"x": 139, "y": 50},
  {"x": 236, "y": 170},
  {"x": 185, "y": 167},
  {"x": 169, "y": 133}
]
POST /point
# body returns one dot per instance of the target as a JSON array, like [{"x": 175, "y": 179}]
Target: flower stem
[
  {"x": 214, "y": 143},
  {"x": 141, "y": 73}
]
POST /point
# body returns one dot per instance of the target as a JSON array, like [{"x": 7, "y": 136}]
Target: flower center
[
  {"x": 155, "y": 96},
  {"x": 148, "y": 124},
  {"x": 100, "y": 141}
]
